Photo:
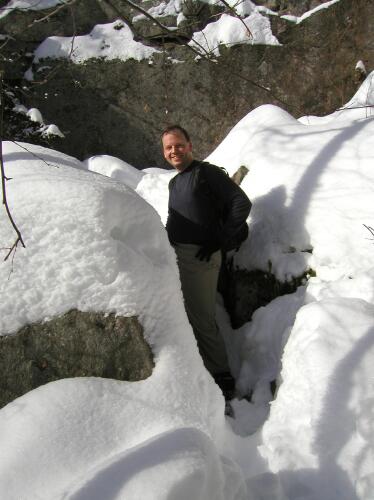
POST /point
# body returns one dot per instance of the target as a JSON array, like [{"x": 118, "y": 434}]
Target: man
[{"x": 206, "y": 210}]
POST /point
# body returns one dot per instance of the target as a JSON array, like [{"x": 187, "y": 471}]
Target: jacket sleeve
[{"x": 235, "y": 202}]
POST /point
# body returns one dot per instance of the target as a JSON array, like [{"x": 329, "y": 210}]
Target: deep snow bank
[
  {"x": 94, "y": 244},
  {"x": 311, "y": 183}
]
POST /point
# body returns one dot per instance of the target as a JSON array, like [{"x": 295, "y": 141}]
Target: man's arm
[{"x": 234, "y": 200}]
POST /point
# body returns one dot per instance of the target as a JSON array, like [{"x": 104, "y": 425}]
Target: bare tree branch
[
  {"x": 4, "y": 179},
  {"x": 233, "y": 10},
  {"x": 208, "y": 55},
  {"x": 66, "y": 3},
  {"x": 34, "y": 155}
]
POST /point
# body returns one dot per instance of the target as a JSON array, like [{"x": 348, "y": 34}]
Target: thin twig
[
  {"x": 4, "y": 178},
  {"x": 67, "y": 3},
  {"x": 356, "y": 107},
  {"x": 233, "y": 10},
  {"x": 370, "y": 229},
  {"x": 208, "y": 56},
  {"x": 19, "y": 238},
  {"x": 34, "y": 155},
  {"x": 74, "y": 30}
]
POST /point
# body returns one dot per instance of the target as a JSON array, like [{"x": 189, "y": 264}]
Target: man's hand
[{"x": 205, "y": 252}]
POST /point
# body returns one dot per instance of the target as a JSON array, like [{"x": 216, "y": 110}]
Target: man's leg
[{"x": 199, "y": 287}]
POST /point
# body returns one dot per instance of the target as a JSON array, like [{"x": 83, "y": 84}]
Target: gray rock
[{"x": 77, "y": 344}]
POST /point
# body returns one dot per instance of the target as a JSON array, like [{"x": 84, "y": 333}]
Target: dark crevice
[{"x": 246, "y": 291}]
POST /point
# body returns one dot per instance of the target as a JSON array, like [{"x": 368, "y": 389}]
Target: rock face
[
  {"x": 77, "y": 344},
  {"x": 119, "y": 108}
]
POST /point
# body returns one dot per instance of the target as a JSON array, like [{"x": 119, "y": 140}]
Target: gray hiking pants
[{"x": 199, "y": 287}]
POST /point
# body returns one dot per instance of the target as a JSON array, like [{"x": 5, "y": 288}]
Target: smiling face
[{"x": 177, "y": 150}]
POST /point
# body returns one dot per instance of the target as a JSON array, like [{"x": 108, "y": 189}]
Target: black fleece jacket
[{"x": 205, "y": 206}]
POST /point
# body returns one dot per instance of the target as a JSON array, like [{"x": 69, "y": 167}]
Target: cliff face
[{"x": 119, "y": 108}]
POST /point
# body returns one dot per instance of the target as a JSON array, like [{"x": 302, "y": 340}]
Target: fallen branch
[{"x": 370, "y": 229}]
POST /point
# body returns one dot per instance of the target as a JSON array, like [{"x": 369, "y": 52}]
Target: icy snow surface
[{"x": 94, "y": 243}]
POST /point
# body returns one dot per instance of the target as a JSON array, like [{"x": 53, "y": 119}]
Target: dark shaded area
[
  {"x": 18, "y": 126},
  {"x": 77, "y": 344},
  {"x": 245, "y": 291}
]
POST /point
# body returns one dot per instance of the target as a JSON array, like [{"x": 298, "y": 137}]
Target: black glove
[{"x": 205, "y": 252}]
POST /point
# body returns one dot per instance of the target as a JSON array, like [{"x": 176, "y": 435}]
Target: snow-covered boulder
[{"x": 94, "y": 244}]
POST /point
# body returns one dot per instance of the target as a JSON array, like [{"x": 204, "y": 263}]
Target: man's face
[{"x": 177, "y": 150}]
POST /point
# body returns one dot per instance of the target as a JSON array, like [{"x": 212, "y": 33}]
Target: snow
[
  {"x": 52, "y": 129},
  {"x": 108, "y": 41},
  {"x": 306, "y": 212},
  {"x": 328, "y": 389},
  {"x": 309, "y": 13},
  {"x": 311, "y": 183},
  {"x": 35, "y": 115},
  {"x": 28, "y": 5},
  {"x": 115, "y": 40},
  {"x": 360, "y": 66},
  {"x": 164, "y": 9},
  {"x": 150, "y": 183},
  {"x": 230, "y": 30},
  {"x": 115, "y": 168},
  {"x": 94, "y": 244}
]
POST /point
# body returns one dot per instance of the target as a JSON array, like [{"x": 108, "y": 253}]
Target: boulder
[{"x": 77, "y": 344}]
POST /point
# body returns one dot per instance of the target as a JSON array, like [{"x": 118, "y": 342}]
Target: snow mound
[
  {"x": 94, "y": 244},
  {"x": 108, "y": 41},
  {"x": 230, "y": 30},
  {"x": 115, "y": 168},
  {"x": 327, "y": 393},
  {"x": 107, "y": 226},
  {"x": 232, "y": 152},
  {"x": 311, "y": 189}
]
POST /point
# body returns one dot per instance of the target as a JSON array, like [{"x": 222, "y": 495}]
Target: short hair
[{"x": 172, "y": 128}]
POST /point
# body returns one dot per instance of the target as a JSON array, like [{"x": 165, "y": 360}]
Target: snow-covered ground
[{"x": 95, "y": 242}]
